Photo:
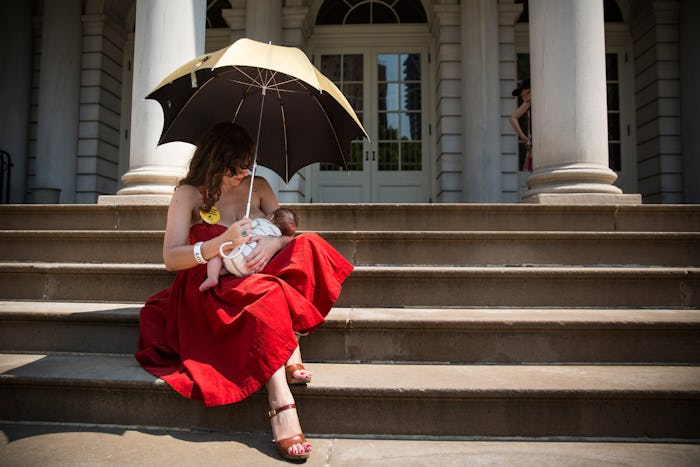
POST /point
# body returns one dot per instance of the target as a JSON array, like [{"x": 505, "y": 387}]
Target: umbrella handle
[
  {"x": 252, "y": 180},
  {"x": 237, "y": 251}
]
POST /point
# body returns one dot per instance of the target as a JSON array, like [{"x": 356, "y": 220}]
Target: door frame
[{"x": 342, "y": 39}]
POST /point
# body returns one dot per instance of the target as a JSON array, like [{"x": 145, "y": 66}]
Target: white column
[
  {"x": 263, "y": 23},
  {"x": 168, "y": 34},
  {"x": 481, "y": 131},
  {"x": 16, "y": 90},
  {"x": 59, "y": 101},
  {"x": 569, "y": 106}
]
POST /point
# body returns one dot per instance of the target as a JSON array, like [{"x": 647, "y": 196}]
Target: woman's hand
[
  {"x": 263, "y": 252},
  {"x": 238, "y": 233}
]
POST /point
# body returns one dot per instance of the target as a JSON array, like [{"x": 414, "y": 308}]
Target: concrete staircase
[{"x": 493, "y": 321}]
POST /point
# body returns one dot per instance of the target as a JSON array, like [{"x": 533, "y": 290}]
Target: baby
[{"x": 283, "y": 221}]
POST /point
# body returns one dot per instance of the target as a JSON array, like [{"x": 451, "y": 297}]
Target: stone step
[
  {"x": 450, "y": 400},
  {"x": 448, "y": 335},
  {"x": 390, "y": 217},
  {"x": 73, "y": 444},
  {"x": 386, "y": 247},
  {"x": 392, "y": 286}
]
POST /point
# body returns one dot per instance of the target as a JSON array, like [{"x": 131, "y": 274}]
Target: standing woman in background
[{"x": 525, "y": 137}]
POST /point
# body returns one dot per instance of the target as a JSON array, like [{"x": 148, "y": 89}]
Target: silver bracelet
[{"x": 198, "y": 253}]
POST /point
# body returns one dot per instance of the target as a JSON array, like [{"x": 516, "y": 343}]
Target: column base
[
  {"x": 152, "y": 180},
  {"x": 582, "y": 198}
]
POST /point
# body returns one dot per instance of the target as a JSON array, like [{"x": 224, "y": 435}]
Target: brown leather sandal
[
  {"x": 284, "y": 444},
  {"x": 289, "y": 371}
]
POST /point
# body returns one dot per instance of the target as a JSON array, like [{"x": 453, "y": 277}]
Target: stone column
[
  {"x": 263, "y": 23},
  {"x": 481, "y": 131},
  {"x": 16, "y": 90},
  {"x": 168, "y": 34},
  {"x": 59, "y": 101},
  {"x": 569, "y": 105}
]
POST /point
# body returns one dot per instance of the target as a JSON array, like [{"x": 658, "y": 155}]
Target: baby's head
[{"x": 286, "y": 220}]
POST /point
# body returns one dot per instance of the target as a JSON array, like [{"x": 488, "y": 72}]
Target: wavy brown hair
[{"x": 224, "y": 149}]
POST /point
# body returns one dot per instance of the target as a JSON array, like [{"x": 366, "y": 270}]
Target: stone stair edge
[
  {"x": 392, "y": 318},
  {"x": 378, "y": 270},
  {"x": 412, "y": 234},
  {"x": 380, "y": 206},
  {"x": 380, "y": 379}
]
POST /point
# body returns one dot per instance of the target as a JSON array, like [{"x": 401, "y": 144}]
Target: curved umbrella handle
[{"x": 237, "y": 251}]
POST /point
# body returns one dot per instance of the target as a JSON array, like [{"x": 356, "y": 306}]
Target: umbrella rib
[
  {"x": 265, "y": 82},
  {"x": 330, "y": 125},
  {"x": 284, "y": 133},
  {"x": 182, "y": 108}
]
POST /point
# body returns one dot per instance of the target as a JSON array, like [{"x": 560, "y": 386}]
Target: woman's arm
[
  {"x": 178, "y": 254},
  {"x": 515, "y": 121}
]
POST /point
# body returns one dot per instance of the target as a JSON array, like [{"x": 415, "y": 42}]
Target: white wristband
[{"x": 198, "y": 253}]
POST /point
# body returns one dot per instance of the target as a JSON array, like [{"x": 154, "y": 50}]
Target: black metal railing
[{"x": 5, "y": 176}]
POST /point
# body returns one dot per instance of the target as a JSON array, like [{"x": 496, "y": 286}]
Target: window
[
  {"x": 346, "y": 71},
  {"x": 214, "y": 18},
  {"x": 399, "y": 111},
  {"x": 371, "y": 12},
  {"x": 611, "y": 12}
]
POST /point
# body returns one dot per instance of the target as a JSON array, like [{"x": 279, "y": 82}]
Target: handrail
[{"x": 5, "y": 176}]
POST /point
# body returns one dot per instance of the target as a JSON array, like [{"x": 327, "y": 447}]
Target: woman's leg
[
  {"x": 301, "y": 375},
  {"x": 286, "y": 423}
]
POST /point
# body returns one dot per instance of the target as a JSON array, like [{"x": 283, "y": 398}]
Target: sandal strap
[
  {"x": 292, "y": 440},
  {"x": 273, "y": 412},
  {"x": 290, "y": 369}
]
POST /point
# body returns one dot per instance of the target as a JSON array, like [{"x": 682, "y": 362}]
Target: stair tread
[
  {"x": 404, "y": 380},
  {"x": 553, "y": 270},
  {"x": 385, "y": 317},
  {"x": 71, "y": 444},
  {"x": 488, "y": 234}
]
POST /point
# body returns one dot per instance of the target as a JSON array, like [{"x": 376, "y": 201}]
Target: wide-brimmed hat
[{"x": 522, "y": 84}]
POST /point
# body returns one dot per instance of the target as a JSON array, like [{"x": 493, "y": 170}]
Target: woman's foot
[
  {"x": 290, "y": 441},
  {"x": 295, "y": 371},
  {"x": 297, "y": 374}
]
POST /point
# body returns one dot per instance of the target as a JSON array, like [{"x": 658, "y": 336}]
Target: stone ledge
[
  {"x": 134, "y": 200},
  {"x": 581, "y": 198}
]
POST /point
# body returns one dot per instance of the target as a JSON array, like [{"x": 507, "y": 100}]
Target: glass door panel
[{"x": 398, "y": 172}]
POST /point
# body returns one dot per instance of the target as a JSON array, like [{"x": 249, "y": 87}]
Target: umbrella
[{"x": 296, "y": 115}]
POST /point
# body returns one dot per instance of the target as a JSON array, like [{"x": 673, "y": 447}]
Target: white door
[{"x": 387, "y": 88}]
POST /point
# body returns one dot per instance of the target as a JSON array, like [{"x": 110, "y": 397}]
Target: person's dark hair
[
  {"x": 278, "y": 218},
  {"x": 224, "y": 148}
]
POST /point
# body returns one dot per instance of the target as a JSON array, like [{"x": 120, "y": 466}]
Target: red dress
[{"x": 223, "y": 344}]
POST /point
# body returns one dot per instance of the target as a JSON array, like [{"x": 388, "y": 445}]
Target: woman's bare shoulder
[{"x": 188, "y": 194}]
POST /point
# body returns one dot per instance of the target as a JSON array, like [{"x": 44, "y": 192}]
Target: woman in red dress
[{"x": 225, "y": 343}]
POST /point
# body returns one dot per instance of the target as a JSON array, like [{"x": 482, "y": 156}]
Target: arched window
[
  {"x": 214, "y": 18},
  {"x": 371, "y": 12}
]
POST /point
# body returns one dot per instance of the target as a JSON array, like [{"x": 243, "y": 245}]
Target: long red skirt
[{"x": 223, "y": 344}]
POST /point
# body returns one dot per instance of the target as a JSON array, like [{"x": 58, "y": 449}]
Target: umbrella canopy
[{"x": 295, "y": 114}]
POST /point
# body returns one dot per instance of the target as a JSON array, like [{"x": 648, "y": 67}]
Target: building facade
[{"x": 615, "y": 105}]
